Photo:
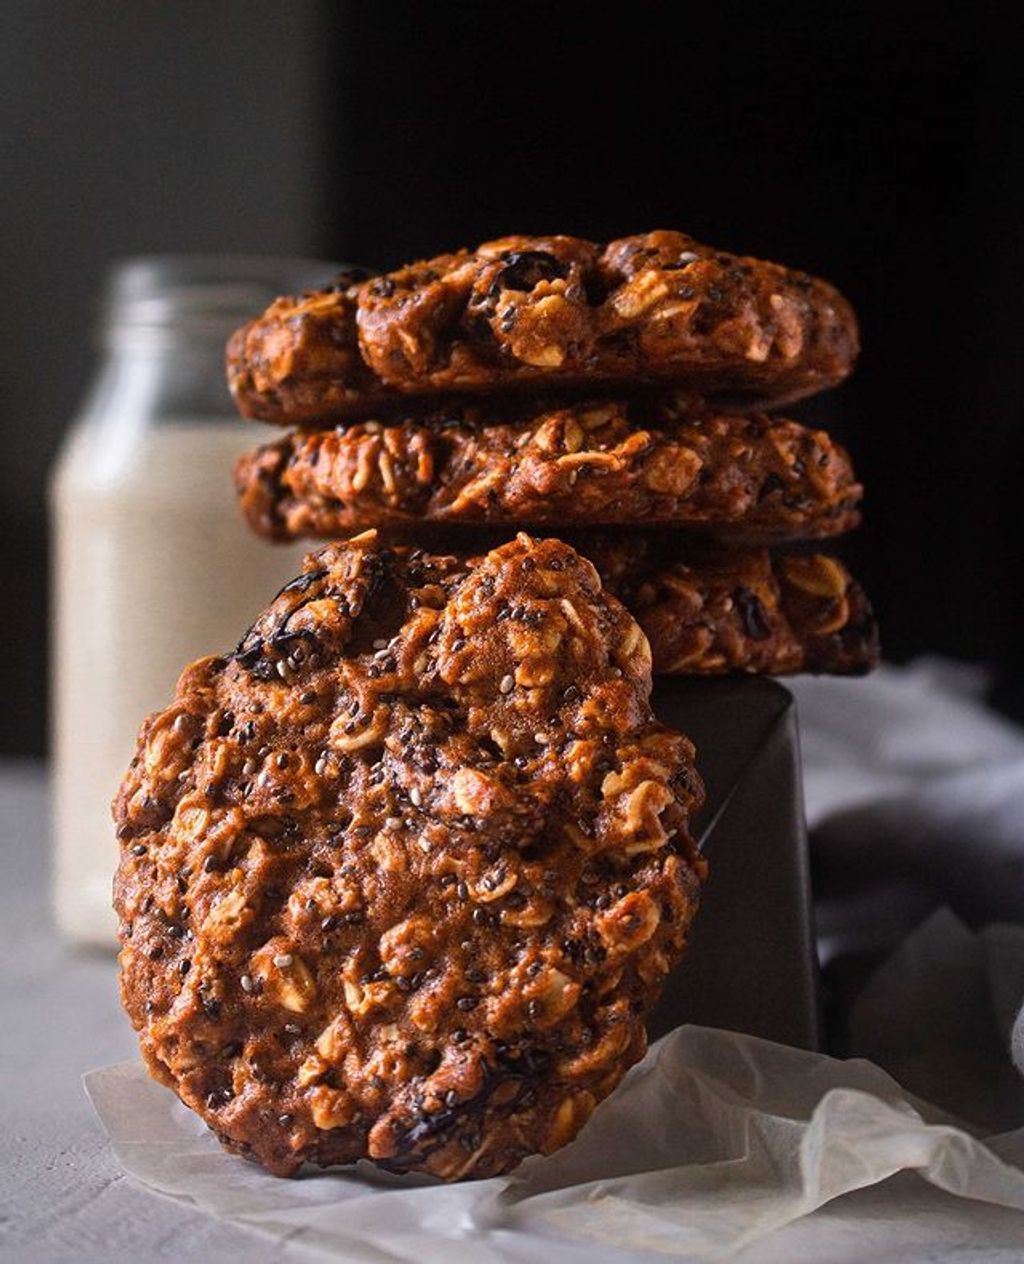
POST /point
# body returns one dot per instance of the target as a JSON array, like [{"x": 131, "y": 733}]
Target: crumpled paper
[{"x": 713, "y": 1142}]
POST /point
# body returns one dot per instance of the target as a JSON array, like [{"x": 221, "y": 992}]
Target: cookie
[
  {"x": 712, "y": 611},
  {"x": 547, "y": 313},
  {"x": 745, "y": 478},
  {"x": 401, "y": 875}
]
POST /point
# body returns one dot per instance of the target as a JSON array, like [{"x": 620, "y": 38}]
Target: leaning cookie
[
  {"x": 613, "y": 463},
  {"x": 712, "y": 611},
  {"x": 547, "y": 313},
  {"x": 401, "y": 875}
]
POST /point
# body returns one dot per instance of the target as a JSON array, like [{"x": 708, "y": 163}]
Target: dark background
[{"x": 881, "y": 149}]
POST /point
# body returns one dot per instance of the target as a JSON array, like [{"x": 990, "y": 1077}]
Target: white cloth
[{"x": 915, "y": 795}]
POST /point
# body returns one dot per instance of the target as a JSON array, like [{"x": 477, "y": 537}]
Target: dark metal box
[{"x": 751, "y": 965}]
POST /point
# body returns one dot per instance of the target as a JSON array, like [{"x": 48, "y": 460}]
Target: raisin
[
  {"x": 352, "y": 275},
  {"x": 752, "y": 615},
  {"x": 525, "y": 269}
]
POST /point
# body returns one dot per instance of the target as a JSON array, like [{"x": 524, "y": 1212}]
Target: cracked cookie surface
[
  {"x": 755, "y": 479},
  {"x": 400, "y": 876},
  {"x": 547, "y": 313}
]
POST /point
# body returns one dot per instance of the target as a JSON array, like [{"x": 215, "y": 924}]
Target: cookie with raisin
[
  {"x": 547, "y": 313},
  {"x": 611, "y": 462},
  {"x": 708, "y": 610},
  {"x": 401, "y": 875}
]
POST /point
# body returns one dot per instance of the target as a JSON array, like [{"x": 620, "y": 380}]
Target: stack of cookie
[
  {"x": 402, "y": 875},
  {"x": 609, "y": 393}
]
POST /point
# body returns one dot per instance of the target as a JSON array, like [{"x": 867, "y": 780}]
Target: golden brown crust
[
  {"x": 612, "y": 463},
  {"x": 711, "y": 611},
  {"x": 401, "y": 875},
  {"x": 549, "y": 313}
]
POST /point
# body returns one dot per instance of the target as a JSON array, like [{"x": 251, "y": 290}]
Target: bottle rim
[{"x": 202, "y": 294}]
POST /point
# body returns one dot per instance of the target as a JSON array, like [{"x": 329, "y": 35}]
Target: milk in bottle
[{"x": 152, "y": 563}]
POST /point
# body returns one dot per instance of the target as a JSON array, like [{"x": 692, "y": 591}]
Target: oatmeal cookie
[
  {"x": 400, "y": 876},
  {"x": 711, "y": 611},
  {"x": 547, "y": 313},
  {"x": 611, "y": 463}
]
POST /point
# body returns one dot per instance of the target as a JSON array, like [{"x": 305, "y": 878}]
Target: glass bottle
[{"x": 152, "y": 565}]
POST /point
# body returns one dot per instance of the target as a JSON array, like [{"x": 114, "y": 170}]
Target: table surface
[{"x": 62, "y": 1194}]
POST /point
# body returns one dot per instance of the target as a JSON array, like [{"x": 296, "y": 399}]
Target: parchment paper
[
  {"x": 721, "y": 1145},
  {"x": 711, "y": 1143}
]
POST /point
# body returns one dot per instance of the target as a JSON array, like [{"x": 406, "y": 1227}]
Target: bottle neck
[
  {"x": 157, "y": 376},
  {"x": 166, "y": 322}
]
